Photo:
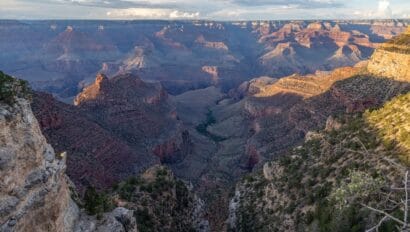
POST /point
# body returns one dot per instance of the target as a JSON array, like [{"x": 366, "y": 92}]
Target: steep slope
[
  {"x": 162, "y": 202},
  {"x": 118, "y": 128},
  {"x": 393, "y": 59},
  {"x": 391, "y": 123},
  {"x": 137, "y": 112},
  {"x": 95, "y": 156},
  {"x": 31, "y": 174},
  {"x": 345, "y": 177},
  {"x": 130, "y": 107},
  {"x": 35, "y": 193},
  {"x": 326, "y": 183}
]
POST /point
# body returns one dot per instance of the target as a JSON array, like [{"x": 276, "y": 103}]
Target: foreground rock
[
  {"x": 32, "y": 177},
  {"x": 35, "y": 193}
]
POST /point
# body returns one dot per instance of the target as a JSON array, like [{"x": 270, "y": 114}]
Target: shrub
[
  {"x": 145, "y": 221},
  {"x": 11, "y": 88},
  {"x": 96, "y": 203}
]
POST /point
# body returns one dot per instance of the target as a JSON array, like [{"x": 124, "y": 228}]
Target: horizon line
[{"x": 209, "y": 20}]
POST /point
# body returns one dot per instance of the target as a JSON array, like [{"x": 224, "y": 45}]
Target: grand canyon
[{"x": 199, "y": 125}]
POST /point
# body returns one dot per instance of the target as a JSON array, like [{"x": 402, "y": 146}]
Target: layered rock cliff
[
  {"x": 35, "y": 193},
  {"x": 61, "y": 57},
  {"x": 96, "y": 157},
  {"x": 138, "y": 112},
  {"x": 393, "y": 59},
  {"x": 339, "y": 175},
  {"x": 117, "y": 128}
]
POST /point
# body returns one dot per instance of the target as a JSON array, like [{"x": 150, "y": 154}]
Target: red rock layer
[{"x": 94, "y": 155}]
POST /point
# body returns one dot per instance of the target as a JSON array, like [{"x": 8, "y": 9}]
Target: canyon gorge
[{"x": 201, "y": 125}]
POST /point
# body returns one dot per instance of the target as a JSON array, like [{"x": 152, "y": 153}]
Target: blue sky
[{"x": 204, "y": 9}]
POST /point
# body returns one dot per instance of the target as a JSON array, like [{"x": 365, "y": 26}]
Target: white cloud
[
  {"x": 150, "y": 13},
  {"x": 185, "y": 15},
  {"x": 205, "y": 9},
  {"x": 384, "y": 10}
]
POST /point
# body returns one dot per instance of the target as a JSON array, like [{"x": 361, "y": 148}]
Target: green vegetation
[
  {"x": 399, "y": 44},
  {"x": 126, "y": 188},
  {"x": 393, "y": 124},
  {"x": 145, "y": 221},
  {"x": 360, "y": 185},
  {"x": 96, "y": 203},
  {"x": 323, "y": 184},
  {"x": 202, "y": 128},
  {"x": 160, "y": 202},
  {"x": 11, "y": 88}
]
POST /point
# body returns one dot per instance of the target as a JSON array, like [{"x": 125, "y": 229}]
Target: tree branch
[
  {"x": 376, "y": 227},
  {"x": 384, "y": 213}
]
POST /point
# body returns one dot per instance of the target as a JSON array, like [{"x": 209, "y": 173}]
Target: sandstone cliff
[{"x": 393, "y": 59}]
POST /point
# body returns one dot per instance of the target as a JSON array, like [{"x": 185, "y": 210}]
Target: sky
[{"x": 204, "y": 9}]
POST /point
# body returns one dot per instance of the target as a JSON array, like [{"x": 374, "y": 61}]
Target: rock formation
[
  {"x": 94, "y": 155},
  {"x": 330, "y": 181},
  {"x": 32, "y": 176},
  {"x": 67, "y": 54},
  {"x": 35, "y": 193},
  {"x": 117, "y": 128},
  {"x": 393, "y": 59}
]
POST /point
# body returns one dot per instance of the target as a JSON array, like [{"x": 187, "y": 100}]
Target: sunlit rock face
[
  {"x": 366, "y": 104},
  {"x": 393, "y": 59}
]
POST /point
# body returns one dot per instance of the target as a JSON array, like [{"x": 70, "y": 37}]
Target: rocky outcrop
[
  {"x": 95, "y": 156},
  {"x": 119, "y": 220},
  {"x": 138, "y": 112},
  {"x": 117, "y": 128},
  {"x": 392, "y": 59},
  {"x": 32, "y": 176},
  {"x": 390, "y": 64},
  {"x": 211, "y": 45},
  {"x": 35, "y": 193},
  {"x": 175, "y": 150},
  {"x": 162, "y": 202}
]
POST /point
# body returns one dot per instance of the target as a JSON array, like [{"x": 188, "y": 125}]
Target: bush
[
  {"x": 145, "y": 221},
  {"x": 11, "y": 88},
  {"x": 96, "y": 203},
  {"x": 202, "y": 128}
]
